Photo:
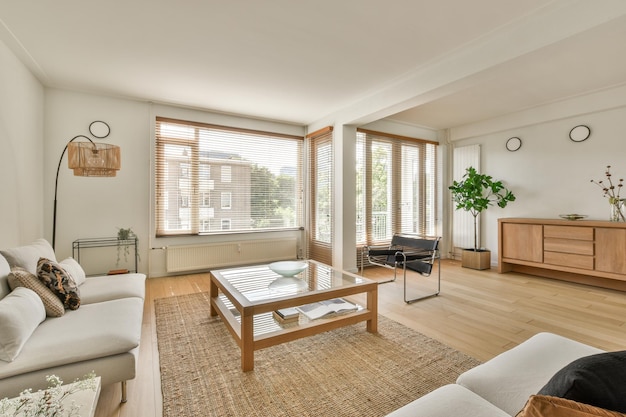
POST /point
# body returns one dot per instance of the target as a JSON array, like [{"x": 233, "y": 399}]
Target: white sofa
[
  {"x": 102, "y": 335},
  {"x": 501, "y": 386}
]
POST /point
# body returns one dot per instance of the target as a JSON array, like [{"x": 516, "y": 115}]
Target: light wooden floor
[{"x": 481, "y": 313}]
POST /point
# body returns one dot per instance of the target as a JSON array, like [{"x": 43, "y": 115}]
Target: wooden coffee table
[{"x": 244, "y": 301}]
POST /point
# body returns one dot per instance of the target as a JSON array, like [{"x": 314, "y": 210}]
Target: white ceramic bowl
[{"x": 288, "y": 268}]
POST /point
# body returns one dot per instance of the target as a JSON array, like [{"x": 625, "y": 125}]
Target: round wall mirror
[
  {"x": 513, "y": 144},
  {"x": 99, "y": 129},
  {"x": 579, "y": 133}
]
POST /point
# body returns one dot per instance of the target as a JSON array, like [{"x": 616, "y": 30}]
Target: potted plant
[
  {"x": 122, "y": 236},
  {"x": 475, "y": 193}
]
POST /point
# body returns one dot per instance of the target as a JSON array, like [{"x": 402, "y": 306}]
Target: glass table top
[{"x": 254, "y": 282}]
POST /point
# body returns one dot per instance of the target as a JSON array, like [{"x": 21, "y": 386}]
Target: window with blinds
[
  {"x": 396, "y": 186},
  {"x": 217, "y": 179},
  {"x": 320, "y": 242}
]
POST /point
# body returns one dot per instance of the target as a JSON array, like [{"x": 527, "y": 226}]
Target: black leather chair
[{"x": 406, "y": 251}]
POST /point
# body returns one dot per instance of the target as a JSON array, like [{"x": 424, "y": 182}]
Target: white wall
[
  {"x": 550, "y": 174},
  {"x": 21, "y": 140},
  {"x": 89, "y": 207}
]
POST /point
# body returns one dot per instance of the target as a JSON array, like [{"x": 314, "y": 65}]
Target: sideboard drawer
[
  {"x": 579, "y": 247},
  {"x": 568, "y": 232},
  {"x": 568, "y": 259}
]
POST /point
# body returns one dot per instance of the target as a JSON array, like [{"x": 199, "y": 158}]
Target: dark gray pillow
[{"x": 598, "y": 380}]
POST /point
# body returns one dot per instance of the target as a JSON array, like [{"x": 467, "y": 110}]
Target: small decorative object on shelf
[
  {"x": 118, "y": 271},
  {"x": 612, "y": 192},
  {"x": 49, "y": 402},
  {"x": 125, "y": 234},
  {"x": 287, "y": 315}
]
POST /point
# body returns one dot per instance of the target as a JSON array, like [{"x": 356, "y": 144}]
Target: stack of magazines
[
  {"x": 327, "y": 307},
  {"x": 287, "y": 315}
]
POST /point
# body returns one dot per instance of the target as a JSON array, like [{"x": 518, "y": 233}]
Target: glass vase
[{"x": 617, "y": 210}]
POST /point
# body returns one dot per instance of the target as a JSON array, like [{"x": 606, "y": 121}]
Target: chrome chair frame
[{"x": 415, "y": 252}]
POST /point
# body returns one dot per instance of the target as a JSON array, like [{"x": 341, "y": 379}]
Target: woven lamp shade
[{"x": 89, "y": 159}]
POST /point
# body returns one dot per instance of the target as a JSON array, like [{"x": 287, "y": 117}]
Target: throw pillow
[
  {"x": 75, "y": 270},
  {"x": 19, "y": 277},
  {"x": 545, "y": 406},
  {"x": 27, "y": 256},
  {"x": 20, "y": 313},
  {"x": 598, "y": 380},
  {"x": 59, "y": 281}
]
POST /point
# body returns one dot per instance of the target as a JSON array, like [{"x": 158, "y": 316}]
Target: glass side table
[{"x": 128, "y": 245}]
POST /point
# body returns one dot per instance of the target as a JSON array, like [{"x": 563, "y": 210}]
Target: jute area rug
[{"x": 344, "y": 372}]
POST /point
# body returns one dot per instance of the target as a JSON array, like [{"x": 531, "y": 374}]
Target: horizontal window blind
[
  {"x": 219, "y": 179},
  {"x": 320, "y": 241}
]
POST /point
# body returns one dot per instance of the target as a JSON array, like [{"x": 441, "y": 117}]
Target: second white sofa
[{"x": 501, "y": 386}]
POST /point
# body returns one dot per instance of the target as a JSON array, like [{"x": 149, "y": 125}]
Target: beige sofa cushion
[
  {"x": 20, "y": 314},
  {"x": 5, "y": 269},
  {"x": 112, "y": 287},
  {"x": 93, "y": 331},
  {"x": 27, "y": 256},
  {"x": 449, "y": 401},
  {"x": 74, "y": 269},
  {"x": 19, "y": 277}
]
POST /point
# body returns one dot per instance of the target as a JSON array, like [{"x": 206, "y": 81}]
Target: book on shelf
[
  {"x": 117, "y": 271},
  {"x": 327, "y": 307},
  {"x": 287, "y": 315}
]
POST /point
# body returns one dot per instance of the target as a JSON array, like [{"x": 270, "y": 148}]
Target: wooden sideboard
[{"x": 585, "y": 251}]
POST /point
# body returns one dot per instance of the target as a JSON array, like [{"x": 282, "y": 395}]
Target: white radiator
[
  {"x": 462, "y": 221},
  {"x": 184, "y": 258}
]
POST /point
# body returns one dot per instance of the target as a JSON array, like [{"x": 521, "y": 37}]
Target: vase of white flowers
[
  {"x": 612, "y": 191},
  {"x": 51, "y": 402},
  {"x": 617, "y": 210}
]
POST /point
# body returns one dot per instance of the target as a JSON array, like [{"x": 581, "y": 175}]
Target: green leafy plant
[
  {"x": 476, "y": 192},
  {"x": 124, "y": 234}
]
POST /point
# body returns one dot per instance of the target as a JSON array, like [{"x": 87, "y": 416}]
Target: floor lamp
[{"x": 88, "y": 159}]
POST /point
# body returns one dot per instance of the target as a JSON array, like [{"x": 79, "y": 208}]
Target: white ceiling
[{"x": 433, "y": 63}]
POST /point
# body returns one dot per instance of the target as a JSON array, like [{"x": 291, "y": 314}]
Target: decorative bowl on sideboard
[{"x": 572, "y": 216}]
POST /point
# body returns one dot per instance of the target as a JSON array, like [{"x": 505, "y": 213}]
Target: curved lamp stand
[{"x": 87, "y": 159}]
